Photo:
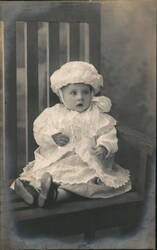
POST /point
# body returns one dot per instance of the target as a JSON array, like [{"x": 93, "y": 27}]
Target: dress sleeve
[
  {"x": 107, "y": 136},
  {"x": 44, "y": 128}
]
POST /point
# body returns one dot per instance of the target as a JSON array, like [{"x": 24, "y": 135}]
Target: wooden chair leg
[
  {"x": 89, "y": 233},
  {"x": 89, "y": 236}
]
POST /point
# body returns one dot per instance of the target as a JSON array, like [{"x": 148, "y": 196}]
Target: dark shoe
[
  {"x": 23, "y": 192},
  {"x": 46, "y": 182}
]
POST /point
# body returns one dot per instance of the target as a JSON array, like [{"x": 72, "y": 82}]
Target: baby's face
[{"x": 77, "y": 96}]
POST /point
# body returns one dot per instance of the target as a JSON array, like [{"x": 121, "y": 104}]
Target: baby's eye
[
  {"x": 73, "y": 93},
  {"x": 86, "y": 92}
]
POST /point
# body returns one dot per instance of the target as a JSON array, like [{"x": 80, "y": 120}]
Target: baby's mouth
[{"x": 79, "y": 105}]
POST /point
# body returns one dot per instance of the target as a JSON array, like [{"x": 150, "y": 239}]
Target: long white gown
[{"x": 73, "y": 165}]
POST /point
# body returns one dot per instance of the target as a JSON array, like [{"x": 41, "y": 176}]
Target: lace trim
[
  {"x": 110, "y": 180},
  {"x": 116, "y": 180}
]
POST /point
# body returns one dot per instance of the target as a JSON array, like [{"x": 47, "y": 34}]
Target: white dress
[{"x": 74, "y": 164}]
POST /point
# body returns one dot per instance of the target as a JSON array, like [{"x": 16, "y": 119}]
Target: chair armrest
[
  {"x": 135, "y": 152},
  {"x": 135, "y": 137}
]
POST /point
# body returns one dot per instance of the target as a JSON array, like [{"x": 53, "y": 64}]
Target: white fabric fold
[{"x": 102, "y": 102}]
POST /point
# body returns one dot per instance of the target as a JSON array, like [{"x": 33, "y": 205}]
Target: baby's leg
[
  {"x": 63, "y": 195},
  {"x": 25, "y": 191},
  {"x": 47, "y": 189},
  {"x": 51, "y": 192}
]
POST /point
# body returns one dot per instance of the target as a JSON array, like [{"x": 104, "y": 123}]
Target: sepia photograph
[{"x": 78, "y": 119}]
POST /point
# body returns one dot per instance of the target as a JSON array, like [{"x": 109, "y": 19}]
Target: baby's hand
[
  {"x": 60, "y": 139},
  {"x": 100, "y": 152}
]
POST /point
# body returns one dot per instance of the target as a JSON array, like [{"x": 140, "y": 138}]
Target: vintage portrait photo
[{"x": 78, "y": 119}]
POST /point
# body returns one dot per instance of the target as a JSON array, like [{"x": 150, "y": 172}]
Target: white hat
[{"x": 76, "y": 72}]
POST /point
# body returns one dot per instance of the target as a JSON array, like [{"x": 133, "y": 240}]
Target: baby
[{"x": 77, "y": 142}]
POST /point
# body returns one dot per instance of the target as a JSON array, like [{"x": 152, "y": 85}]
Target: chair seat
[
  {"x": 77, "y": 216},
  {"x": 23, "y": 212}
]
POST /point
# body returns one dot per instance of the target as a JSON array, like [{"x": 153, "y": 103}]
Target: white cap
[{"x": 76, "y": 72}]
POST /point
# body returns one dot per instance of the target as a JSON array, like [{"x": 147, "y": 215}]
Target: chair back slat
[
  {"x": 84, "y": 42},
  {"x": 10, "y": 110},
  {"x": 21, "y": 94},
  {"x": 74, "y": 41},
  {"x": 64, "y": 43},
  {"x": 53, "y": 54},
  {"x": 94, "y": 41},
  {"x": 43, "y": 74},
  {"x": 32, "y": 84}
]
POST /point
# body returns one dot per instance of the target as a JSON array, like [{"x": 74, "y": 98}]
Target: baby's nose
[{"x": 80, "y": 97}]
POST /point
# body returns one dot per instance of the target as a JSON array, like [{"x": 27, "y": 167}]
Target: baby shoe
[
  {"x": 23, "y": 192},
  {"x": 46, "y": 182}
]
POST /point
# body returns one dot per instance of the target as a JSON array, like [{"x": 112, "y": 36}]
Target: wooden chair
[{"x": 81, "y": 41}]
